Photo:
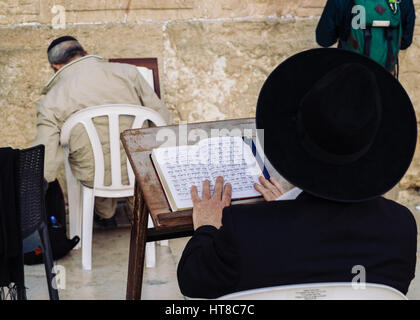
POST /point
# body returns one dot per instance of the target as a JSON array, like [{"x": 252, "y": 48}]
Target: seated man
[
  {"x": 333, "y": 124},
  {"x": 82, "y": 81}
]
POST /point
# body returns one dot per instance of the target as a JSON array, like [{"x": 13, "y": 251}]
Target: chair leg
[
  {"x": 75, "y": 209},
  {"x": 21, "y": 290},
  {"x": 21, "y": 293},
  {"x": 87, "y": 227},
  {"x": 48, "y": 262},
  {"x": 150, "y": 249}
]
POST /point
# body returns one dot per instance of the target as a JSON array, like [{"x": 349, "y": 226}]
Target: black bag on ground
[{"x": 56, "y": 216}]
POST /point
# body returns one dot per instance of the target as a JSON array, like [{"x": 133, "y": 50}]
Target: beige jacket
[{"x": 85, "y": 82}]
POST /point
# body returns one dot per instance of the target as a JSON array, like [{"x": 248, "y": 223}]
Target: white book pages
[{"x": 185, "y": 166}]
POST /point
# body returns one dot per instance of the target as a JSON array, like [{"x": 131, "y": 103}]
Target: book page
[
  {"x": 231, "y": 158},
  {"x": 182, "y": 168}
]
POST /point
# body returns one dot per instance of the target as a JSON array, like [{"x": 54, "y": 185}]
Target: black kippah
[{"x": 60, "y": 40}]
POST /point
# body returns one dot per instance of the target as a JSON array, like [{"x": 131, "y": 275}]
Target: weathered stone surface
[
  {"x": 410, "y": 79},
  {"x": 80, "y": 5},
  {"x": 412, "y": 178},
  {"x": 215, "y": 70},
  {"x": 78, "y": 11},
  {"x": 410, "y": 72},
  {"x": 410, "y": 198}
]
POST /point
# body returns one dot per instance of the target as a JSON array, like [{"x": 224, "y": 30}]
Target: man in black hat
[{"x": 339, "y": 127}]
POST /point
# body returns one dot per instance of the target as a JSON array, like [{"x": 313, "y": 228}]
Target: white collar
[{"x": 292, "y": 194}]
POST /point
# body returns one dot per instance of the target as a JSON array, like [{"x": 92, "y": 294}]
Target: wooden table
[{"x": 150, "y": 196}]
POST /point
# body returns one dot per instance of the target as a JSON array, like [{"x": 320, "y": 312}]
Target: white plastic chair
[
  {"x": 320, "y": 291},
  {"x": 81, "y": 198}
]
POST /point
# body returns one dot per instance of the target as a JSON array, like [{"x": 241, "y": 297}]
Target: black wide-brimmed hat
[{"x": 337, "y": 125}]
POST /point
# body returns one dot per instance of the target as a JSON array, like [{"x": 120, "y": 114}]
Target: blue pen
[{"x": 259, "y": 160}]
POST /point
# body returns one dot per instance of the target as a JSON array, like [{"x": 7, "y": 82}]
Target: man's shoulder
[
  {"x": 310, "y": 207},
  {"x": 344, "y": 2},
  {"x": 120, "y": 67},
  {"x": 407, "y": 6},
  {"x": 399, "y": 211},
  {"x": 340, "y": 4}
]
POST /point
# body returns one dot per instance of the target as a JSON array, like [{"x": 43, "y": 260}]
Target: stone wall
[
  {"x": 213, "y": 56},
  {"x": 107, "y": 11}
]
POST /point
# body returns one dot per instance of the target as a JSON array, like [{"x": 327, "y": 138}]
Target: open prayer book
[{"x": 179, "y": 168}]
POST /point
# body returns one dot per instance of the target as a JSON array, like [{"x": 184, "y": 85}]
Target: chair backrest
[
  {"x": 31, "y": 189},
  {"x": 113, "y": 112},
  {"x": 320, "y": 291},
  {"x": 149, "y": 69}
]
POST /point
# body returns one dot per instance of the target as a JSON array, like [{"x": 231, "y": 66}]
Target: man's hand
[
  {"x": 271, "y": 190},
  {"x": 208, "y": 211}
]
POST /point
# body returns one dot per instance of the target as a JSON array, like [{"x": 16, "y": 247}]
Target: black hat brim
[{"x": 372, "y": 175}]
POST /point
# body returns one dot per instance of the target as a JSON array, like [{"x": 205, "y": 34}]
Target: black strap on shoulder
[
  {"x": 368, "y": 40},
  {"x": 390, "y": 53}
]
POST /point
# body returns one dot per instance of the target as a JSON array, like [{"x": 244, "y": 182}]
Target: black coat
[
  {"x": 11, "y": 255},
  {"x": 307, "y": 240}
]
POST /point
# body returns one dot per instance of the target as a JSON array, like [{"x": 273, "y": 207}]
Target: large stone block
[
  {"x": 410, "y": 79},
  {"x": 19, "y": 11},
  {"x": 412, "y": 178},
  {"x": 80, "y": 5},
  {"x": 22, "y": 7},
  {"x": 216, "y": 70},
  {"x": 410, "y": 73},
  {"x": 21, "y": 72},
  {"x": 23, "y": 11}
]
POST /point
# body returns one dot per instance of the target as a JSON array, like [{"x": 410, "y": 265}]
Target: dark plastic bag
[{"x": 56, "y": 216}]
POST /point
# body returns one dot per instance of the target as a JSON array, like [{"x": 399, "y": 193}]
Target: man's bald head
[{"x": 64, "y": 50}]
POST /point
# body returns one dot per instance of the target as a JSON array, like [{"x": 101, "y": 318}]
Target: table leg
[{"x": 137, "y": 247}]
